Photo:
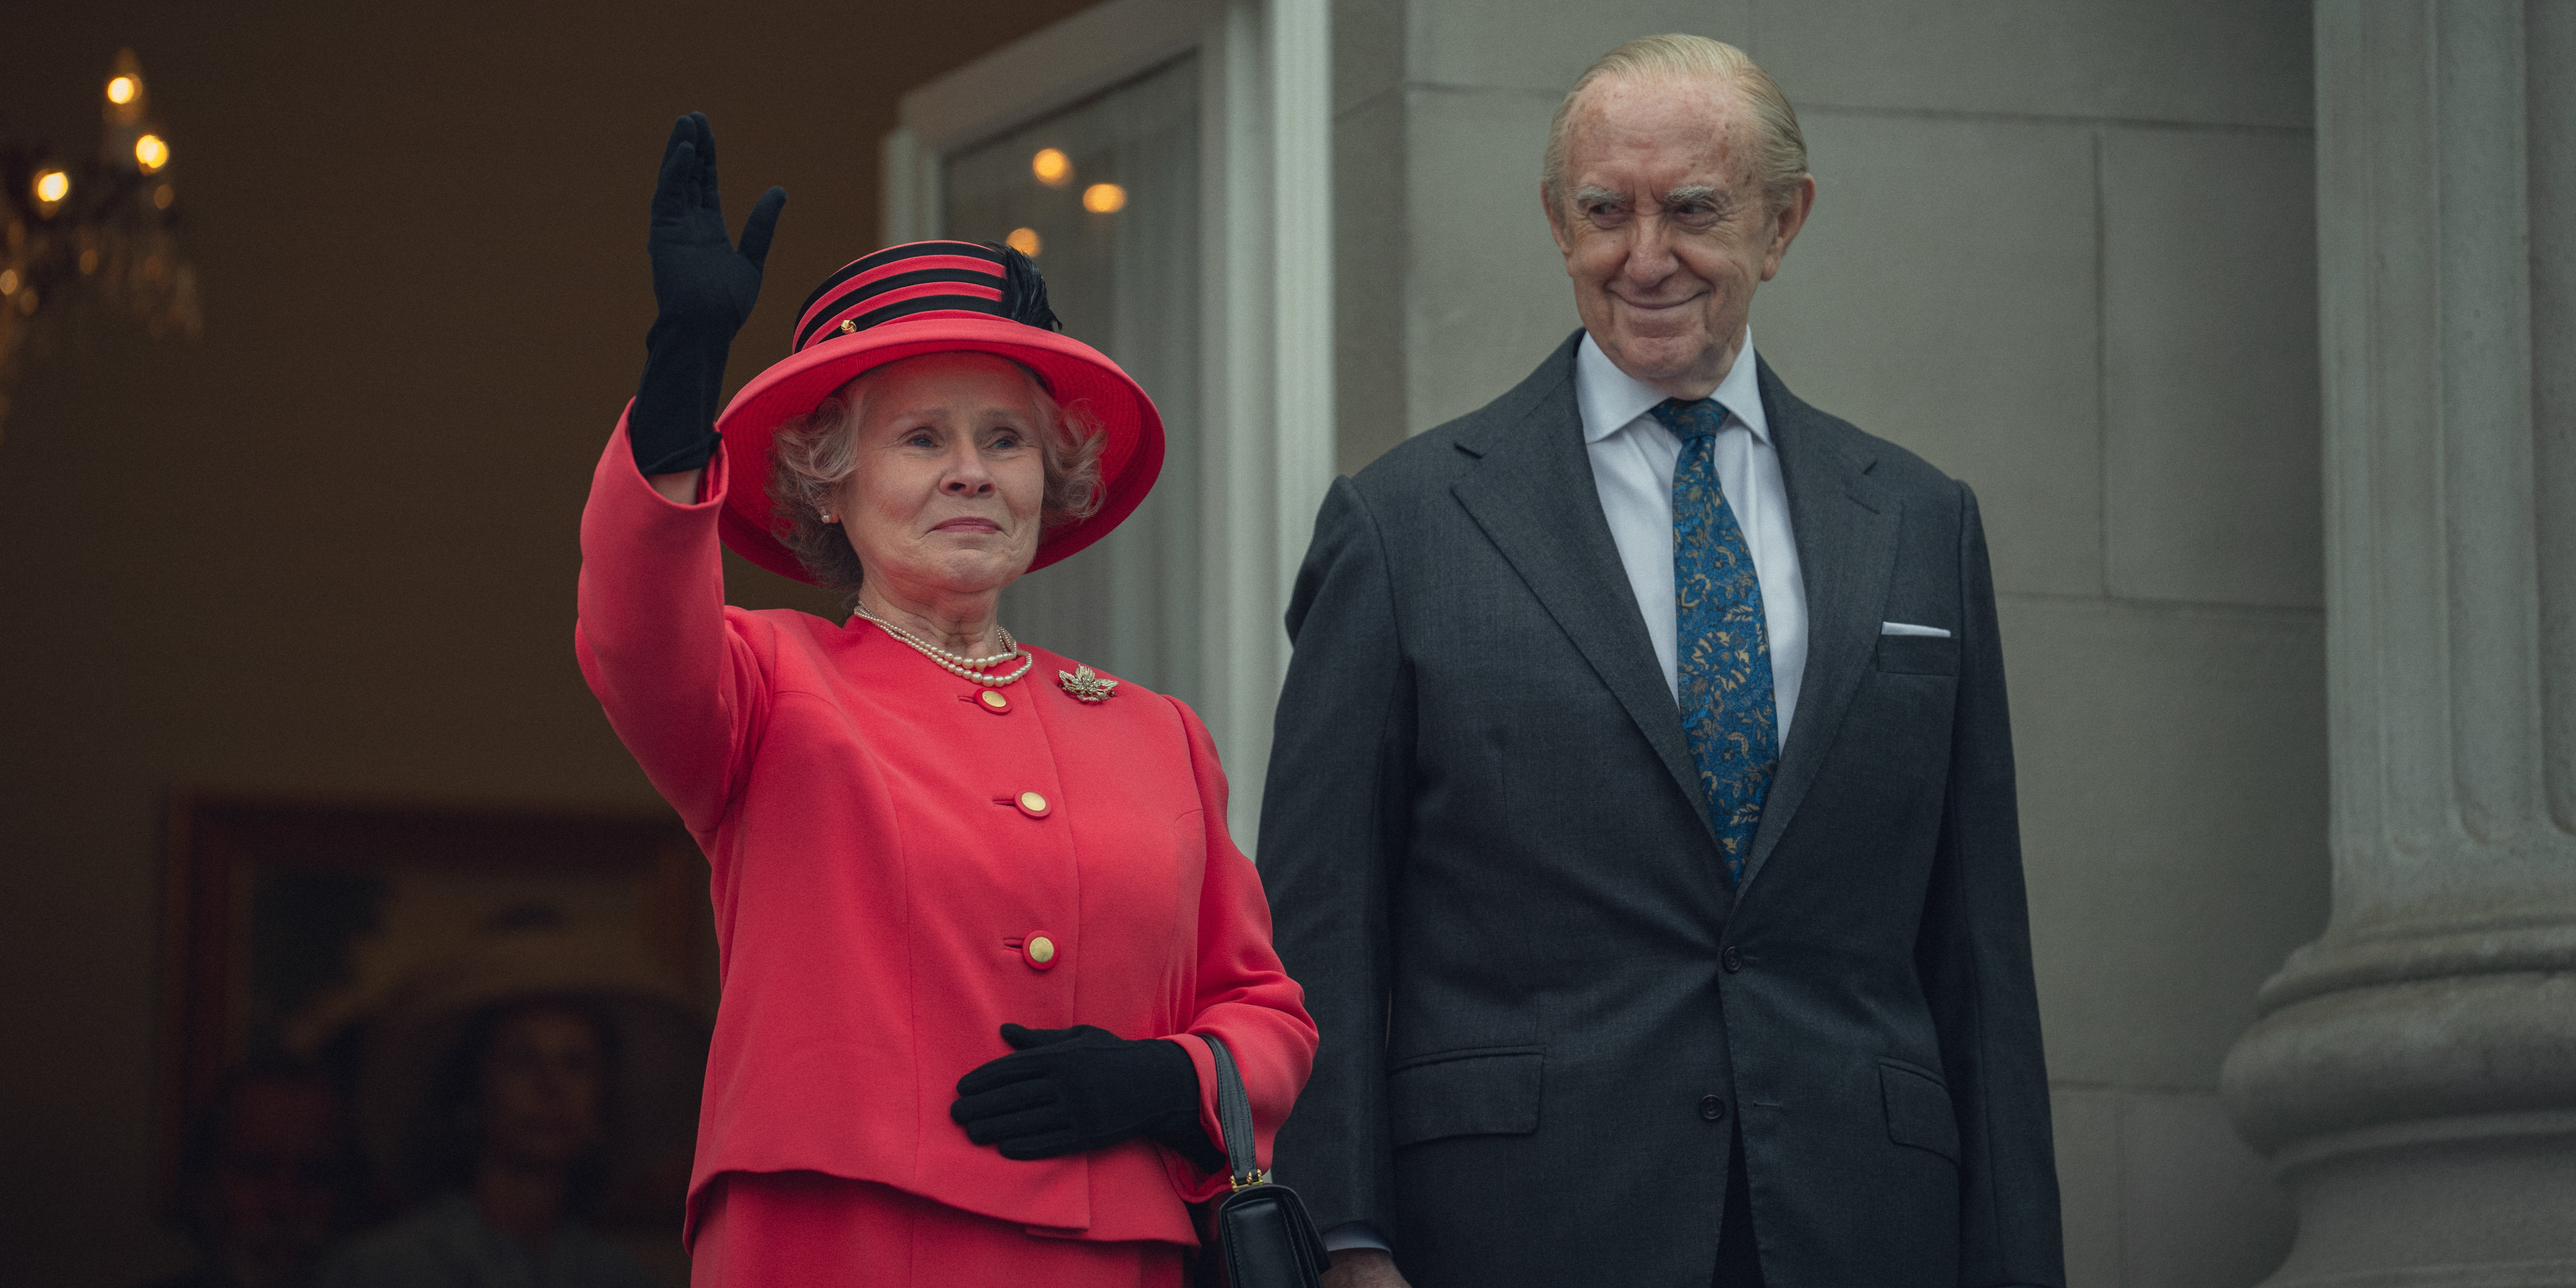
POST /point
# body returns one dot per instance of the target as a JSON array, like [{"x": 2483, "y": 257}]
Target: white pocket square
[{"x": 1909, "y": 628}]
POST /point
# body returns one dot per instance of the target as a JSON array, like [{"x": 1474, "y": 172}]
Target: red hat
[{"x": 936, "y": 297}]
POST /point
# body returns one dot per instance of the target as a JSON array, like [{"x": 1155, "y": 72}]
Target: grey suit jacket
[{"x": 1544, "y": 1010}]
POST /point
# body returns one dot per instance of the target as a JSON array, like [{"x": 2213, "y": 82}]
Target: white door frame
[{"x": 1266, "y": 216}]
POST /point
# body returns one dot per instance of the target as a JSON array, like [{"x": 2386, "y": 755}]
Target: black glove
[
  {"x": 1063, "y": 1091},
  {"x": 705, "y": 288}
]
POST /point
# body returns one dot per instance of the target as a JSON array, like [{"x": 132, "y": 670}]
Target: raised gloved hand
[
  {"x": 705, "y": 287},
  {"x": 1062, "y": 1091}
]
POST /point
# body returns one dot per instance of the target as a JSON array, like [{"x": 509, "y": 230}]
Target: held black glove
[
  {"x": 1062, "y": 1091},
  {"x": 705, "y": 288}
]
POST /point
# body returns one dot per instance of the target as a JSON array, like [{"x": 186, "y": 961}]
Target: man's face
[
  {"x": 1664, "y": 227},
  {"x": 272, "y": 1200}
]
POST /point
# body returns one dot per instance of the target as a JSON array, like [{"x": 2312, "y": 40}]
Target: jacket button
[
  {"x": 1040, "y": 951},
  {"x": 1732, "y": 959},
  {"x": 1035, "y": 806},
  {"x": 993, "y": 701},
  {"x": 1712, "y": 1108}
]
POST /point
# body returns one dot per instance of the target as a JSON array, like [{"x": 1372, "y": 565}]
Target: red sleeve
[
  {"x": 681, "y": 684},
  {"x": 1244, "y": 996}
]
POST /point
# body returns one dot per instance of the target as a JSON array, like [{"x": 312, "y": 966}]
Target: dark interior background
[{"x": 328, "y": 549}]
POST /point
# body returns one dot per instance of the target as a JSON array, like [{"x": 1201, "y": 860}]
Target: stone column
[{"x": 2413, "y": 1073}]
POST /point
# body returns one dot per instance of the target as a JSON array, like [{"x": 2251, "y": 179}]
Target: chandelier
[{"x": 94, "y": 237}]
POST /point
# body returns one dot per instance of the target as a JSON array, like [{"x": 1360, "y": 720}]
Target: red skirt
[{"x": 778, "y": 1229}]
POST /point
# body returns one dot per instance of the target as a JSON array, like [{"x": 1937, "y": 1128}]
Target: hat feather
[{"x": 1024, "y": 297}]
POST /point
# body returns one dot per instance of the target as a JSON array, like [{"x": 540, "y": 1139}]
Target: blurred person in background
[
  {"x": 266, "y": 1178},
  {"x": 509, "y": 1146}
]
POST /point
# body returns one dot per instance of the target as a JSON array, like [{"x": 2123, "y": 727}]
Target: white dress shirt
[{"x": 1633, "y": 457}]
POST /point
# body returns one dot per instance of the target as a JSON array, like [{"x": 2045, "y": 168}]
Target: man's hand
[{"x": 1364, "y": 1268}]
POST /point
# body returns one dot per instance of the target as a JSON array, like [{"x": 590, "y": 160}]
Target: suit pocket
[
  {"x": 1493, "y": 1091},
  {"x": 1918, "y": 1110},
  {"x": 1918, "y": 654}
]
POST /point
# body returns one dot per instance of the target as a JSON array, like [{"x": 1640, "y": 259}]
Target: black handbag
[{"x": 1257, "y": 1235}]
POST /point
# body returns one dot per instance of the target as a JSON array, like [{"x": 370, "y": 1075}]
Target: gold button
[
  {"x": 1041, "y": 950},
  {"x": 994, "y": 701},
  {"x": 1033, "y": 805}
]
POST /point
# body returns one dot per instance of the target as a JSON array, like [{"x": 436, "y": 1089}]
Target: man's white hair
[{"x": 1782, "y": 160}]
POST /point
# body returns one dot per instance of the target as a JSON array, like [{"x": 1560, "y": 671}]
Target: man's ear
[
  {"x": 1785, "y": 224},
  {"x": 1555, "y": 220}
]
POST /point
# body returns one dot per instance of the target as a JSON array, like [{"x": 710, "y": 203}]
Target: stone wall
[{"x": 2413, "y": 1076}]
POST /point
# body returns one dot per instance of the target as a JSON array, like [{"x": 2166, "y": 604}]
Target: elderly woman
[{"x": 977, "y": 905}]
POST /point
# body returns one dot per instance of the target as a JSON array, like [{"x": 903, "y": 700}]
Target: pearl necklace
[{"x": 971, "y": 668}]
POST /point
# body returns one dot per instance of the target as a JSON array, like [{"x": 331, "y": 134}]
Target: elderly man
[{"x": 1641, "y": 816}]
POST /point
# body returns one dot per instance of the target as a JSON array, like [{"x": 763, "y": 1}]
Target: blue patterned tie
[{"x": 1723, "y": 646}]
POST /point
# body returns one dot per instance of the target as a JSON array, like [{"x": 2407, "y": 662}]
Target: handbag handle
[
  {"x": 1263, "y": 1235},
  {"x": 1234, "y": 1116}
]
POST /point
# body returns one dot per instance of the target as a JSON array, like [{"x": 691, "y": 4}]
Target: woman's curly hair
[{"x": 815, "y": 455}]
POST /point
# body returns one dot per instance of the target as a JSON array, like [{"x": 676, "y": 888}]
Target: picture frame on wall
[{"x": 376, "y": 941}]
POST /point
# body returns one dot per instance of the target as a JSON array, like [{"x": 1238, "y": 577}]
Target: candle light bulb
[{"x": 128, "y": 99}]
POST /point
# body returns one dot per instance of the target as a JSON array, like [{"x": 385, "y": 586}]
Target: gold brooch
[{"x": 1086, "y": 684}]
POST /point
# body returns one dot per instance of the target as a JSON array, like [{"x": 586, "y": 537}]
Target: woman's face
[
  {"x": 950, "y": 481},
  {"x": 539, "y": 1101}
]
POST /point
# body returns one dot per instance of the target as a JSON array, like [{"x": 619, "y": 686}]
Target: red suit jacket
[{"x": 886, "y": 847}]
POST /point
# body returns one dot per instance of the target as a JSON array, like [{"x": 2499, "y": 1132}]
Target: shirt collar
[{"x": 1610, "y": 399}]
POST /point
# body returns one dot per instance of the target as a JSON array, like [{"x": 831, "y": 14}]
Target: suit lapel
[
  {"x": 1534, "y": 497},
  {"x": 1846, "y": 526}
]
